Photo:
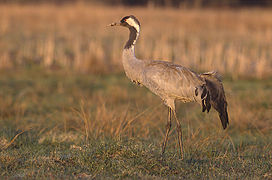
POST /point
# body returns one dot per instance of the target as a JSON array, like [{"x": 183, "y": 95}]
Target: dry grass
[{"x": 234, "y": 42}]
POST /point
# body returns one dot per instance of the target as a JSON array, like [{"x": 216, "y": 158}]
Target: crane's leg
[
  {"x": 168, "y": 127},
  {"x": 179, "y": 130}
]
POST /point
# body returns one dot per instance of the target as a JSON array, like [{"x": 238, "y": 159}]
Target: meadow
[{"x": 68, "y": 111}]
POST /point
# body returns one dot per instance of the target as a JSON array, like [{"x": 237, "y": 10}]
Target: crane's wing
[{"x": 171, "y": 81}]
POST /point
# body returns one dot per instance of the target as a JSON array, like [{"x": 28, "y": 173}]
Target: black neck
[{"x": 132, "y": 37}]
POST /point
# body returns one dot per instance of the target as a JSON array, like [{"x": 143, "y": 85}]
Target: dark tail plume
[{"x": 214, "y": 95}]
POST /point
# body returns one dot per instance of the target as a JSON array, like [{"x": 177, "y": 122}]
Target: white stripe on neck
[
  {"x": 134, "y": 24},
  {"x": 137, "y": 35}
]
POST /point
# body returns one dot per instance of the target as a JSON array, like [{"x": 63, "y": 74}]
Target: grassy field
[
  {"x": 68, "y": 111},
  {"x": 64, "y": 124}
]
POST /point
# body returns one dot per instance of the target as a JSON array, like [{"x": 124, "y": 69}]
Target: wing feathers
[{"x": 217, "y": 96}]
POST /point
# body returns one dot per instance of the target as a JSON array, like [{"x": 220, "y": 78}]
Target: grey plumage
[{"x": 172, "y": 82}]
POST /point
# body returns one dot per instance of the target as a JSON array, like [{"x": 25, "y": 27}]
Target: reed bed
[{"x": 237, "y": 43}]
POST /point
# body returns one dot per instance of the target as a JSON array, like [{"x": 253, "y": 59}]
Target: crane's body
[
  {"x": 172, "y": 82},
  {"x": 167, "y": 80}
]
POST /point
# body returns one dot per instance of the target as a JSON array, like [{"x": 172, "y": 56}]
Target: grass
[{"x": 78, "y": 125}]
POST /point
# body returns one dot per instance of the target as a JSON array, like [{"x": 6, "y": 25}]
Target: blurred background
[
  {"x": 231, "y": 36},
  {"x": 158, "y": 3}
]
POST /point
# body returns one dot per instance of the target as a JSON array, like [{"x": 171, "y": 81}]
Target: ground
[{"x": 63, "y": 124}]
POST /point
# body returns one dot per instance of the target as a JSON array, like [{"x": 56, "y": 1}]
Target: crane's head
[{"x": 129, "y": 22}]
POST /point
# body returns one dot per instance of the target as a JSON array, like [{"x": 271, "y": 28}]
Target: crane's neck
[
  {"x": 134, "y": 33},
  {"x": 132, "y": 66}
]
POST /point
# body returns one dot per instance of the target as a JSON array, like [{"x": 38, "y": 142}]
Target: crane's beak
[{"x": 113, "y": 24}]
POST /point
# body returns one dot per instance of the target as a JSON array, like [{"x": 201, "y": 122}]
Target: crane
[{"x": 172, "y": 82}]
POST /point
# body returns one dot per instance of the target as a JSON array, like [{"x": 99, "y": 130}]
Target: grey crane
[{"x": 172, "y": 82}]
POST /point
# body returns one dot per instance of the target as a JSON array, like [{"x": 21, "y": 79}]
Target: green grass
[{"x": 97, "y": 126}]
